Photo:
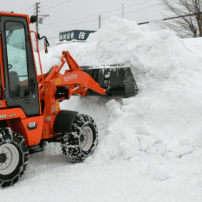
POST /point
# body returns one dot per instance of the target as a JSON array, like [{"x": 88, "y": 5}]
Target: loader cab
[{"x": 21, "y": 88}]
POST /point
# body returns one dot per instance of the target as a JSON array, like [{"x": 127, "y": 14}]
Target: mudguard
[{"x": 64, "y": 120}]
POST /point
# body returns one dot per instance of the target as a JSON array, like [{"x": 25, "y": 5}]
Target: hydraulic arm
[{"x": 75, "y": 79}]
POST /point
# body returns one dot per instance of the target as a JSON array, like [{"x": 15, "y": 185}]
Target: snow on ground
[
  {"x": 194, "y": 45},
  {"x": 150, "y": 145}
]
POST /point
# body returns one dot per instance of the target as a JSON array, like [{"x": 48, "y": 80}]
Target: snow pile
[
  {"x": 194, "y": 45},
  {"x": 150, "y": 145},
  {"x": 164, "y": 118}
]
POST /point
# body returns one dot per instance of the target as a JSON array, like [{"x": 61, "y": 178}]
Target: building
[{"x": 74, "y": 36}]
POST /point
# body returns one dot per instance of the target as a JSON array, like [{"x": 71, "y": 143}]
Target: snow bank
[
  {"x": 168, "y": 109},
  {"x": 150, "y": 145},
  {"x": 194, "y": 45}
]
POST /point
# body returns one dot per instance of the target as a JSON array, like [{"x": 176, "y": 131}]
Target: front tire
[
  {"x": 13, "y": 157},
  {"x": 82, "y": 141}
]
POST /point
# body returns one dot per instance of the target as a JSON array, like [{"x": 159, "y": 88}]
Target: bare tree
[{"x": 184, "y": 26}]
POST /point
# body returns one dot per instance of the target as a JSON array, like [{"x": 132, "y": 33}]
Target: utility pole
[
  {"x": 37, "y": 26},
  {"x": 99, "y": 21},
  {"x": 122, "y": 10},
  {"x": 39, "y": 21},
  {"x": 37, "y": 14}
]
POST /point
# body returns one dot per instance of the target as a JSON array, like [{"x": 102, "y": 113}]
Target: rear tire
[
  {"x": 82, "y": 141},
  {"x": 13, "y": 157}
]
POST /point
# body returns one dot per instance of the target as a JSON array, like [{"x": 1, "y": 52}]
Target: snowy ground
[{"x": 150, "y": 145}]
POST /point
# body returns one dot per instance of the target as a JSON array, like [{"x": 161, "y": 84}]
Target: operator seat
[{"x": 14, "y": 84}]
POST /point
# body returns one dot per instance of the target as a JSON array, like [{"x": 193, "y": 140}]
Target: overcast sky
[{"x": 67, "y": 15}]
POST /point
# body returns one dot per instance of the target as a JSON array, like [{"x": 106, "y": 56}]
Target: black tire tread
[
  {"x": 70, "y": 143},
  {"x": 6, "y": 135}
]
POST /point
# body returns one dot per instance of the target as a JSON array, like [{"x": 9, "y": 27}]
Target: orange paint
[{"x": 36, "y": 128}]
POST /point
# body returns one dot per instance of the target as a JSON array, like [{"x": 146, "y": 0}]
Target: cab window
[{"x": 17, "y": 59}]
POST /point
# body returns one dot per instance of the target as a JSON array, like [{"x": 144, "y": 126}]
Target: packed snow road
[
  {"x": 150, "y": 145},
  {"x": 108, "y": 175},
  {"x": 144, "y": 179}
]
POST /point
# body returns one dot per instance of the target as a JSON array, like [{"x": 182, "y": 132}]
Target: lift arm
[{"x": 77, "y": 81}]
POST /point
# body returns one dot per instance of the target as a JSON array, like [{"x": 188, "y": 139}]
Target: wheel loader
[{"x": 30, "y": 115}]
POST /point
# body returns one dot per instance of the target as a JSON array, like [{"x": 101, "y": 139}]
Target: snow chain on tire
[
  {"x": 73, "y": 146},
  {"x": 14, "y": 156}
]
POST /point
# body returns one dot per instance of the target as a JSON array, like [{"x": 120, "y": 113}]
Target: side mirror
[
  {"x": 45, "y": 45},
  {"x": 33, "y": 18}
]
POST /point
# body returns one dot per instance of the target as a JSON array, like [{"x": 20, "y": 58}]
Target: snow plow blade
[{"x": 116, "y": 79}]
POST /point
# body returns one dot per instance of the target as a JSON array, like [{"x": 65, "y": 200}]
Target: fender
[{"x": 64, "y": 120}]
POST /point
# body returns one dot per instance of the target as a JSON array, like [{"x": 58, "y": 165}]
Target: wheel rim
[
  {"x": 86, "y": 138},
  {"x": 9, "y": 158}
]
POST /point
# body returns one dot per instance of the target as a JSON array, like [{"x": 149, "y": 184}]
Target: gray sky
[{"x": 67, "y": 15}]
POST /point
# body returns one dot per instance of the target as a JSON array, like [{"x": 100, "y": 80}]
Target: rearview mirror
[{"x": 33, "y": 18}]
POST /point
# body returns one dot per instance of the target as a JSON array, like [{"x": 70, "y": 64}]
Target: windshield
[
  {"x": 17, "y": 58},
  {"x": 15, "y": 35}
]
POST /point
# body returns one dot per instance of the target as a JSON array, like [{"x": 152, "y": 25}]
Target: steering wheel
[{"x": 9, "y": 66}]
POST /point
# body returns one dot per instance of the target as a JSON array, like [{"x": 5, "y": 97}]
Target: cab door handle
[
  {"x": 27, "y": 101},
  {"x": 32, "y": 85}
]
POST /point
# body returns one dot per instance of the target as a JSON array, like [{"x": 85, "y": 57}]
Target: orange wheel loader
[{"x": 30, "y": 114}]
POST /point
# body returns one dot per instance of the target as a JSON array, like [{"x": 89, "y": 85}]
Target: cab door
[{"x": 21, "y": 88}]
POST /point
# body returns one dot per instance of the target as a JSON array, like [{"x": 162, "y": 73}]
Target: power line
[
  {"x": 143, "y": 8},
  {"x": 70, "y": 24},
  {"x": 71, "y": 20},
  {"x": 171, "y": 18},
  {"x": 127, "y": 6},
  {"x": 96, "y": 14},
  {"x": 28, "y": 9},
  {"x": 50, "y": 2},
  {"x": 135, "y": 10},
  {"x": 118, "y": 15},
  {"x": 138, "y": 3},
  {"x": 44, "y": 1},
  {"x": 102, "y": 18},
  {"x": 56, "y": 5}
]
